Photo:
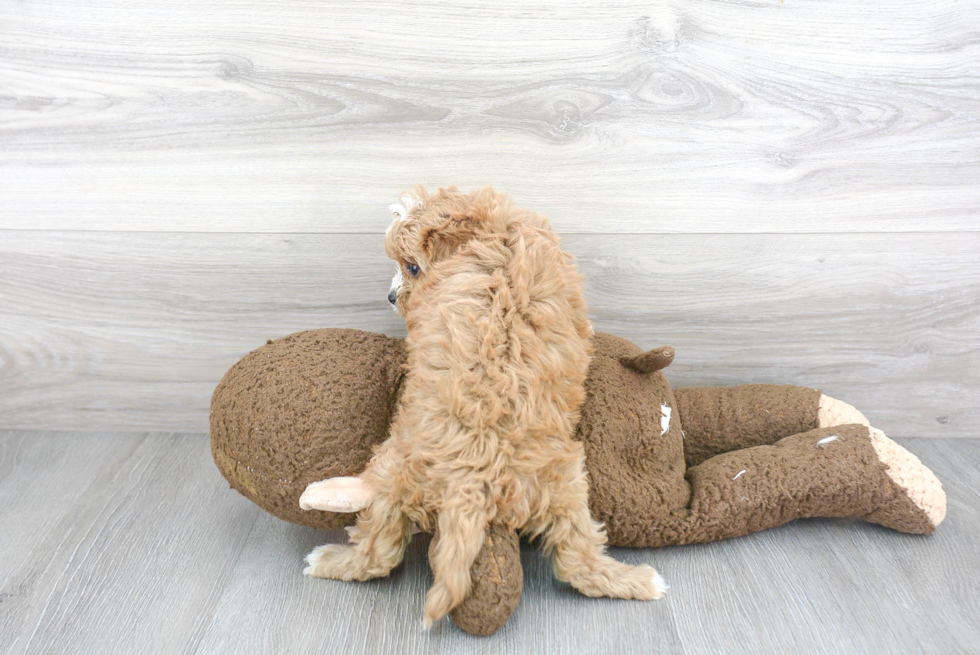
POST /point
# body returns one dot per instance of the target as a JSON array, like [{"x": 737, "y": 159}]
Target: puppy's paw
[
  {"x": 331, "y": 561},
  {"x": 658, "y": 583},
  {"x": 642, "y": 583},
  {"x": 617, "y": 580},
  {"x": 341, "y": 494}
]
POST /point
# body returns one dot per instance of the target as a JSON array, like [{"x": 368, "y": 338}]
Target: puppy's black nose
[{"x": 392, "y": 297}]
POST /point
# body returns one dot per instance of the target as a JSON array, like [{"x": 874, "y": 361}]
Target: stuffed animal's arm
[{"x": 341, "y": 494}]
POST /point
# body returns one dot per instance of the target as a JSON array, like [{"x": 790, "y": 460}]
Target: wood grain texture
[
  {"x": 133, "y": 561},
  {"x": 42, "y": 479},
  {"x": 109, "y": 330},
  {"x": 770, "y": 116},
  {"x": 181, "y": 181},
  {"x": 152, "y": 553}
]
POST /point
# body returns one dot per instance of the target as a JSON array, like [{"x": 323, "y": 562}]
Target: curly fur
[{"x": 499, "y": 344}]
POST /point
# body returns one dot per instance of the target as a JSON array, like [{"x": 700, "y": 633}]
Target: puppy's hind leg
[
  {"x": 577, "y": 544},
  {"x": 462, "y": 530}
]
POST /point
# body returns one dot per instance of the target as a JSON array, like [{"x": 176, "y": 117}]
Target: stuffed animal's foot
[
  {"x": 920, "y": 502},
  {"x": 343, "y": 563},
  {"x": 341, "y": 494},
  {"x": 832, "y": 412},
  {"x": 612, "y": 579}
]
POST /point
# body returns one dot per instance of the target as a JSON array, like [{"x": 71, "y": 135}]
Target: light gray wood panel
[
  {"x": 129, "y": 329},
  {"x": 804, "y": 116},
  {"x": 225, "y": 577},
  {"x": 134, "y": 563}
]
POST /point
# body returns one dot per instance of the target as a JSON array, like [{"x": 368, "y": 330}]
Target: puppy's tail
[{"x": 460, "y": 535}]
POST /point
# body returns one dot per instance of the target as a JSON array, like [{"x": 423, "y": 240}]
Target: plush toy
[{"x": 665, "y": 467}]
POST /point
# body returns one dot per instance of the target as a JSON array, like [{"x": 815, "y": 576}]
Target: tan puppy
[{"x": 498, "y": 344}]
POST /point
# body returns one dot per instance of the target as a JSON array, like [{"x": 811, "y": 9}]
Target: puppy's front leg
[
  {"x": 462, "y": 530},
  {"x": 377, "y": 545},
  {"x": 378, "y": 540}
]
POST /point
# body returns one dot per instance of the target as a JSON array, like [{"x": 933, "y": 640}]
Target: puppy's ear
[{"x": 442, "y": 241}]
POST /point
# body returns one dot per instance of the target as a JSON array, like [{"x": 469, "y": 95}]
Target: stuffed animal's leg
[
  {"x": 577, "y": 544},
  {"x": 849, "y": 470},
  {"x": 718, "y": 420},
  {"x": 462, "y": 531}
]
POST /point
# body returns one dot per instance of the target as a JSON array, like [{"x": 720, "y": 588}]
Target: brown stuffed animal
[{"x": 665, "y": 467}]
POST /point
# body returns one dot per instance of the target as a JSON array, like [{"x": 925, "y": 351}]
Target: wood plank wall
[{"x": 785, "y": 190}]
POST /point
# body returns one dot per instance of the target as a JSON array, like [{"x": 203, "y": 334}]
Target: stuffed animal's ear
[
  {"x": 442, "y": 241},
  {"x": 650, "y": 361}
]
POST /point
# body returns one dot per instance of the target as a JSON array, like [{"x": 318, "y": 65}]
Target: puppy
[{"x": 498, "y": 347}]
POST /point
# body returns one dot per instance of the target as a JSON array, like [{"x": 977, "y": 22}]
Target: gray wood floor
[{"x": 131, "y": 542}]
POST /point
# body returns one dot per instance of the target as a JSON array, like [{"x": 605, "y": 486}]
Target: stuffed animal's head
[{"x": 303, "y": 408}]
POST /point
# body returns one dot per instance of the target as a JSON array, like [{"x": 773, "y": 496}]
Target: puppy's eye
[{"x": 413, "y": 269}]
